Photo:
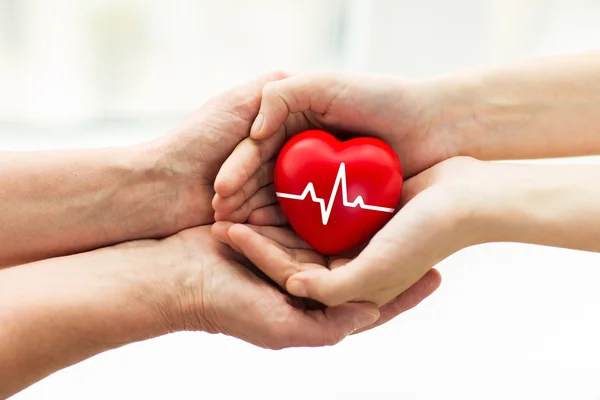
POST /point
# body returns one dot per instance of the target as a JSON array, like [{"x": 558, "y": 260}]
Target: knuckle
[
  {"x": 278, "y": 74},
  {"x": 247, "y": 191},
  {"x": 262, "y": 150},
  {"x": 245, "y": 173},
  {"x": 256, "y": 201},
  {"x": 270, "y": 89},
  {"x": 265, "y": 172}
]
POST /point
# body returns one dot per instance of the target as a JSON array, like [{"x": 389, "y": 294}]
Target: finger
[
  {"x": 247, "y": 96},
  {"x": 245, "y": 160},
  {"x": 276, "y": 261},
  {"x": 265, "y": 196},
  {"x": 414, "y": 295},
  {"x": 336, "y": 286},
  {"x": 372, "y": 281},
  {"x": 220, "y": 231},
  {"x": 325, "y": 328},
  {"x": 270, "y": 215},
  {"x": 284, "y": 236},
  {"x": 338, "y": 262},
  {"x": 418, "y": 184},
  {"x": 250, "y": 154},
  {"x": 374, "y": 276},
  {"x": 262, "y": 177},
  {"x": 393, "y": 260},
  {"x": 294, "y": 95}
]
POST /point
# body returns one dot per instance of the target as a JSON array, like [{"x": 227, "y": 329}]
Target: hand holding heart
[
  {"x": 385, "y": 108},
  {"x": 280, "y": 253},
  {"x": 395, "y": 269}
]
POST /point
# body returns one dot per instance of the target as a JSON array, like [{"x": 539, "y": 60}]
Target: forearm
[
  {"x": 58, "y": 312},
  {"x": 555, "y": 206},
  {"x": 540, "y": 109},
  {"x": 60, "y": 202}
]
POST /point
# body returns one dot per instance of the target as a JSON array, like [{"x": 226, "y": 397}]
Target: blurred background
[{"x": 510, "y": 321}]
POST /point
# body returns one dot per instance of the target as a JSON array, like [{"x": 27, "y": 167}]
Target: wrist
[
  {"x": 474, "y": 195},
  {"x": 80, "y": 305},
  {"x": 545, "y": 205},
  {"x": 139, "y": 195},
  {"x": 177, "y": 285},
  {"x": 453, "y": 113},
  {"x": 181, "y": 197},
  {"x": 126, "y": 292},
  {"x": 158, "y": 190}
]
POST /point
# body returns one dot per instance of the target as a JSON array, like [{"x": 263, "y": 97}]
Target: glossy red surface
[{"x": 372, "y": 171}]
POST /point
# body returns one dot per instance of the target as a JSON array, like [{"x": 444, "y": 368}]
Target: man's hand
[
  {"x": 218, "y": 291},
  {"x": 189, "y": 157},
  {"x": 281, "y": 254},
  {"x": 67, "y": 201},
  {"x": 85, "y": 304}
]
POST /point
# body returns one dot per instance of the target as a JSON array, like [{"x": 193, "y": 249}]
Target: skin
[
  {"x": 58, "y": 308},
  {"x": 542, "y": 108},
  {"x": 458, "y": 203},
  {"x": 58, "y": 312}
]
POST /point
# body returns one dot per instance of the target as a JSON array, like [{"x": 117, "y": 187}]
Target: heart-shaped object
[{"x": 337, "y": 195}]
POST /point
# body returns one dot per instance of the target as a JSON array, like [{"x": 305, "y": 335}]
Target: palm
[
  {"x": 228, "y": 297},
  {"x": 197, "y": 149},
  {"x": 280, "y": 253}
]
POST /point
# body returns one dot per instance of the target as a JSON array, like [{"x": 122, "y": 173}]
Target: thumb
[
  {"x": 293, "y": 95},
  {"x": 333, "y": 287}
]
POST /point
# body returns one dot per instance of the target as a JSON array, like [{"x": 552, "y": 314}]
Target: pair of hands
[
  {"x": 394, "y": 271},
  {"x": 432, "y": 223}
]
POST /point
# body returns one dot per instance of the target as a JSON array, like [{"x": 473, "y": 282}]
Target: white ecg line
[{"x": 326, "y": 211}]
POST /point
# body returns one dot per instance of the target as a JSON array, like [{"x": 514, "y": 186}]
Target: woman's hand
[
  {"x": 280, "y": 254},
  {"x": 399, "y": 112},
  {"x": 437, "y": 218}
]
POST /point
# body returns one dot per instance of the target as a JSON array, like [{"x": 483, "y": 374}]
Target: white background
[{"x": 509, "y": 321}]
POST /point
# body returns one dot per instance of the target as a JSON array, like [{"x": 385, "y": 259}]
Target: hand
[
  {"x": 190, "y": 156},
  {"x": 81, "y": 305},
  {"x": 394, "y": 110},
  {"x": 441, "y": 210},
  {"x": 403, "y": 114},
  {"x": 433, "y": 223},
  {"x": 280, "y": 254},
  {"x": 216, "y": 291}
]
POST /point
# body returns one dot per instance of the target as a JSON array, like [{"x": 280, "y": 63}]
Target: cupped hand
[
  {"x": 281, "y": 254},
  {"x": 442, "y": 211},
  {"x": 213, "y": 288},
  {"x": 404, "y": 114},
  {"x": 436, "y": 219},
  {"x": 192, "y": 154}
]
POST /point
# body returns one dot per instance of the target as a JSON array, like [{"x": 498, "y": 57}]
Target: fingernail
[
  {"x": 296, "y": 288},
  {"x": 365, "y": 319},
  {"x": 258, "y": 123}
]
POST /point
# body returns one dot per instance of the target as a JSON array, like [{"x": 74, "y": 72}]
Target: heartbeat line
[{"x": 326, "y": 210}]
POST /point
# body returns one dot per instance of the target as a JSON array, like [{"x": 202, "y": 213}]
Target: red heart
[{"x": 314, "y": 164}]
